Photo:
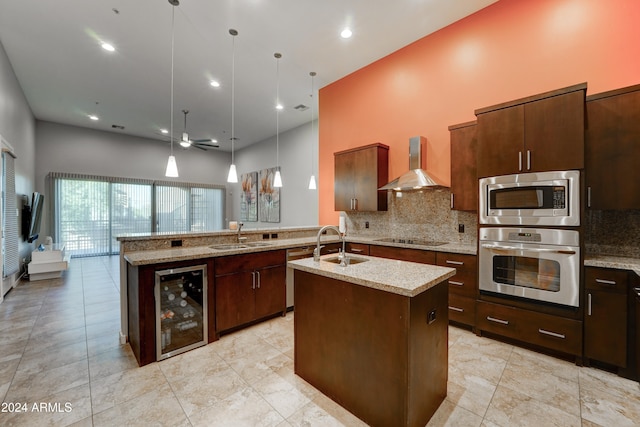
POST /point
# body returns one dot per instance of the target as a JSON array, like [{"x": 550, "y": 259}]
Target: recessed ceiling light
[
  {"x": 346, "y": 33},
  {"x": 164, "y": 131},
  {"x": 215, "y": 83},
  {"x": 214, "y": 141},
  {"x": 108, "y": 47},
  {"x": 93, "y": 117},
  {"x": 279, "y": 107}
]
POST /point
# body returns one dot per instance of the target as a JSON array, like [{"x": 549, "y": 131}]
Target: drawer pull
[
  {"x": 454, "y": 262},
  {"x": 552, "y": 334},
  {"x": 606, "y": 282},
  {"x": 458, "y": 309},
  {"x": 493, "y": 319},
  {"x": 453, "y": 282},
  {"x": 356, "y": 250}
]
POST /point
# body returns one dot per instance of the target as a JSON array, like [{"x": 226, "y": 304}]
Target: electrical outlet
[
  {"x": 366, "y": 224},
  {"x": 460, "y": 228}
]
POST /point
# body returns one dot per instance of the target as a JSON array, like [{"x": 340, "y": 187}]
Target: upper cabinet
[
  {"x": 535, "y": 134},
  {"x": 464, "y": 176},
  {"x": 359, "y": 172},
  {"x": 612, "y": 149}
]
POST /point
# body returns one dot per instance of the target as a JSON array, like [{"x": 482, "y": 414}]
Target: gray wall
[
  {"x": 298, "y": 148},
  {"x": 63, "y": 148},
  {"x": 17, "y": 127}
]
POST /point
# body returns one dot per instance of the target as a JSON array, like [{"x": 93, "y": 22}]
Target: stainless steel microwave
[{"x": 542, "y": 198}]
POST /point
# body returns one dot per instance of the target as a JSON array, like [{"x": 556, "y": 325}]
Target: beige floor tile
[
  {"x": 112, "y": 362},
  {"x": 512, "y": 408},
  {"x": 112, "y": 390},
  {"x": 158, "y": 407},
  {"x": 244, "y": 408},
  {"x": 609, "y": 400},
  {"x": 35, "y": 386},
  {"x": 449, "y": 414},
  {"x": 53, "y": 357}
]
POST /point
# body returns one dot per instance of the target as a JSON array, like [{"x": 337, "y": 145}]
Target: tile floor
[{"x": 59, "y": 347}]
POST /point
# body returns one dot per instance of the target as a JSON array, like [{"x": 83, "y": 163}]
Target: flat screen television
[{"x": 31, "y": 217}]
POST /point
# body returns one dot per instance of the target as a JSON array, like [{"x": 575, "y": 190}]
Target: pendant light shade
[
  {"x": 312, "y": 183},
  {"x": 232, "y": 177},
  {"x": 277, "y": 179},
  {"x": 172, "y": 167}
]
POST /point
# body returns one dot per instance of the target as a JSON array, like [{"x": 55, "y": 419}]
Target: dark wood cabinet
[
  {"x": 249, "y": 287},
  {"x": 403, "y": 254},
  {"x": 358, "y": 248},
  {"x": 464, "y": 174},
  {"x": 359, "y": 172},
  {"x": 540, "y": 133},
  {"x": 463, "y": 287},
  {"x": 531, "y": 327},
  {"x": 605, "y": 323},
  {"x": 612, "y": 149}
]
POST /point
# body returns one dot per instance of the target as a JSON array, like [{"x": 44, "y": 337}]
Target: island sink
[{"x": 349, "y": 260}]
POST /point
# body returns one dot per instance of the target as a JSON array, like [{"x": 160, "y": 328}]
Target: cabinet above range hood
[{"x": 416, "y": 178}]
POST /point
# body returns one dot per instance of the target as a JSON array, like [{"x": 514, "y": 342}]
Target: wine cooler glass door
[{"x": 181, "y": 310}]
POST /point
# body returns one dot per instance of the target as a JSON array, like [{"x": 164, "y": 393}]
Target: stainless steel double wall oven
[{"x": 523, "y": 259}]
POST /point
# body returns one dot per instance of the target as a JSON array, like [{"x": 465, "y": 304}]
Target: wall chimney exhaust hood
[{"x": 416, "y": 178}]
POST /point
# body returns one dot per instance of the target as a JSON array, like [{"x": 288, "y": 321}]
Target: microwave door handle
[{"x": 513, "y": 248}]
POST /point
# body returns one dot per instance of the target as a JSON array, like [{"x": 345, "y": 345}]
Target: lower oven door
[{"x": 541, "y": 272}]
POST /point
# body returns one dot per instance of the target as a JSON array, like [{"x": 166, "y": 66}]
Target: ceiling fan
[{"x": 202, "y": 144}]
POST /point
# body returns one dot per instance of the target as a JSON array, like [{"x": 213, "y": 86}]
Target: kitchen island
[{"x": 372, "y": 336}]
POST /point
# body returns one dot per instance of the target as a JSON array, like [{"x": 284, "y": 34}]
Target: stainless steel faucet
[
  {"x": 316, "y": 251},
  {"x": 240, "y": 239}
]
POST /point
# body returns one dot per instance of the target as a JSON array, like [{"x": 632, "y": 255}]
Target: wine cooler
[{"x": 181, "y": 308}]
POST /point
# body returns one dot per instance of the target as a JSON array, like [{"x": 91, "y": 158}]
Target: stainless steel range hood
[{"x": 416, "y": 178}]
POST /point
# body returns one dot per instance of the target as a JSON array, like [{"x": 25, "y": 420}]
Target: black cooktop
[{"x": 411, "y": 241}]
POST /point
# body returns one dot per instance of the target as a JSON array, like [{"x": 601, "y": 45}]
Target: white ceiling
[{"x": 54, "y": 48}]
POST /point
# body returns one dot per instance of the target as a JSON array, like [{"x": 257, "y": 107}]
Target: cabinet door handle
[
  {"x": 606, "y": 282},
  {"x": 451, "y": 200},
  {"x": 258, "y": 274},
  {"x": 520, "y": 160},
  {"x": 493, "y": 319},
  {"x": 528, "y": 160},
  {"x": 551, "y": 334},
  {"x": 253, "y": 280},
  {"x": 589, "y": 305},
  {"x": 588, "y": 197},
  {"x": 458, "y": 309},
  {"x": 451, "y": 282},
  {"x": 355, "y": 204},
  {"x": 454, "y": 262}
]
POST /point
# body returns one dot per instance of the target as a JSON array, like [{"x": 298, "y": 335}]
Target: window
[{"x": 90, "y": 212}]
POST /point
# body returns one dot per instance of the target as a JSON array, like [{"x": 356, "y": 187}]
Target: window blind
[{"x": 9, "y": 217}]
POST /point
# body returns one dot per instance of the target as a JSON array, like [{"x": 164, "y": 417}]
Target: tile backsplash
[
  {"x": 612, "y": 233},
  {"x": 423, "y": 214}
]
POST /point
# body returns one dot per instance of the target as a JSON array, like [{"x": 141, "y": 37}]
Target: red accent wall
[{"x": 509, "y": 50}]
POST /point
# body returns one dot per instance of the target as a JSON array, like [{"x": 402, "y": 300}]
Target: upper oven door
[{"x": 545, "y": 198}]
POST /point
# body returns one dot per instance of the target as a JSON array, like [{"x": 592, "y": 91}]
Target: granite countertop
[
  {"x": 610, "y": 261},
  {"x": 199, "y": 252},
  {"x": 398, "y": 277}
]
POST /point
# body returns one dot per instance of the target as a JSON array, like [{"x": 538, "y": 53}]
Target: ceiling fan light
[
  {"x": 277, "y": 179},
  {"x": 172, "y": 167},
  {"x": 233, "y": 175},
  {"x": 185, "y": 144},
  {"x": 312, "y": 183}
]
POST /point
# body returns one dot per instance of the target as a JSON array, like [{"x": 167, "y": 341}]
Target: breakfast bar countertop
[{"x": 398, "y": 277}]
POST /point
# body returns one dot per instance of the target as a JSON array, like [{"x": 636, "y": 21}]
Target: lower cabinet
[
  {"x": 463, "y": 287},
  {"x": 540, "y": 329},
  {"x": 605, "y": 320},
  {"x": 249, "y": 287},
  {"x": 403, "y": 254}
]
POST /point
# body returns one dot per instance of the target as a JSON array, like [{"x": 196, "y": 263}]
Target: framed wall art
[{"x": 269, "y": 197}]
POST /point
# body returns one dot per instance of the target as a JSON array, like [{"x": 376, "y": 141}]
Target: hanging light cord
[
  {"x": 233, "y": 94},
  {"x": 278, "y": 56},
  {"x": 173, "y": 14},
  {"x": 312, "y": 74}
]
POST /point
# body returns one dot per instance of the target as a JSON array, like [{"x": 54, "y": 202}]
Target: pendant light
[
  {"x": 172, "y": 167},
  {"x": 312, "y": 180},
  {"x": 277, "y": 179},
  {"x": 233, "y": 174}
]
